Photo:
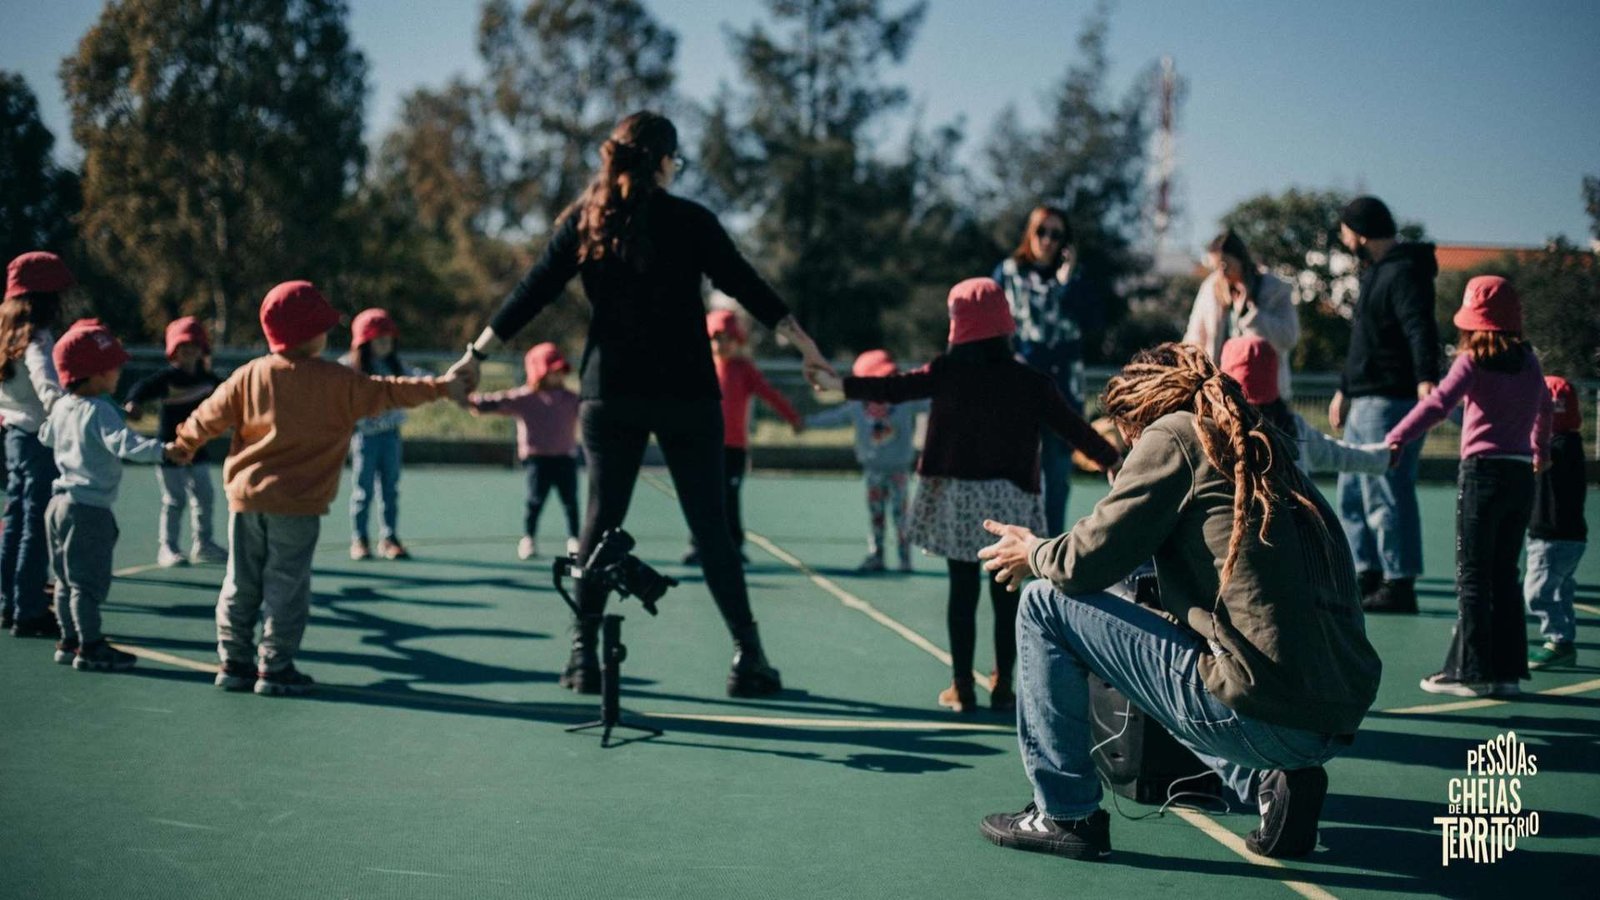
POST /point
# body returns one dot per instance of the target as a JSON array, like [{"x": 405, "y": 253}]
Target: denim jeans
[
  {"x": 1379, "y": 512},
  {"x": 1550, "y": 586},
  {"x": 24, "y": 548},
  {"x": 1061, "y": 639},
  {"x": 1055, "y": 474},
  {"x": 1493, "y": 505},
  {"x": 182, "y": 485},
  {"x": 375, "y": 458}
]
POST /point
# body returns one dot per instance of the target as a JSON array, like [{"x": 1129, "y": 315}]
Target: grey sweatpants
[
  {"x": 191, "y": 483},
  {"x": 269, "y": 565},
  {"x": 81, "y": 538}
]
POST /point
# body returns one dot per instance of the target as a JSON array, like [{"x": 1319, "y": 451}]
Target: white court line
[
  {"x": 1235, "y": 843},
  {"x": 1582, "y": 687}
]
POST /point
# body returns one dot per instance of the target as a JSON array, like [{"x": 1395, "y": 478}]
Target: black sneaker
[
  {"x": 235, "y": 676},
  {"x": 1088, "y": 838},
  {"x": 66, "y": 651},
  {"x": 44, "y": 626},
  {"x": 1398, "y": 596},
  {"x": 1369, "y": 581},
  {"x": 287, "y": 681},
  {"x": 100, "y": 656},
  {"x": 1290, "y": 803},
  {"x": 7, "y": 619}
]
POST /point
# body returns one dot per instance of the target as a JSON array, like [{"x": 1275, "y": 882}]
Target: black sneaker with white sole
[
  {"x": 286, "y": 682},
  {"x": 1088, "y": 838},
  {"x": 66, "y": 651},
  {"x": 236, "y": 676},
  {"x": 1291, "y": 803},
  {"x": 99, "y": 656}
]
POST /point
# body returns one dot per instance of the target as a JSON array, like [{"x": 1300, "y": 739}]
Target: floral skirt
[{"x": 947, "y": 514}]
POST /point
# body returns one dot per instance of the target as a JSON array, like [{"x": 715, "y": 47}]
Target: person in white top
[
  {"x": 28, "y": 389},
  {"x": 1240, "y": 299}
]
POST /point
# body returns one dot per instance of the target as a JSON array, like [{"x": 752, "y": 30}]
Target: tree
[
  {"x": 37, "y": 198},
  {"x": 1591, "y": 204},
  {"x": 1089, "y": 157},
  {"x": 221, "y": 140},
  {"x": 792, "y": 148},
  {"x": 1560, "y": 290}
]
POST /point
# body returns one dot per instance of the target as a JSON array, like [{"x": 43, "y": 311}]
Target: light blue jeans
[
  {"x": 1062, "y": 639},
  {"x": 1379, "y": 512},
  {"x": 24, "y": 548},
  {"x": 375, "y": 458},
  {"x": 1550, "y": 585}
]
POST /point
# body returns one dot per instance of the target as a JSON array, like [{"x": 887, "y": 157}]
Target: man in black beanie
[{"x": 1393, "y": 362}]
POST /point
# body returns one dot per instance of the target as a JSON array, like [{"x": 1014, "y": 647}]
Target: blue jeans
[
  {"x": 375, "y": 458},
  {"x": 1379, "y": 512},
  {"x": 1055, "y": 473},
  {"x": 1061, "y": 639},
  {"x": 24, "y": 549},
  {"x": 1550, "y": 586}
]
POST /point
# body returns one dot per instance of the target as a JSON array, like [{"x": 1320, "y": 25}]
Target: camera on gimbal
[{"x": 613, "y": 564}]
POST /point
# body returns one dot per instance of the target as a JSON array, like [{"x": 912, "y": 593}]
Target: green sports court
[{"x": 432, "y": 761}]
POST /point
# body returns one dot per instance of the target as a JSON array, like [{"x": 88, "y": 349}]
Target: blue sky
[{"x": 1478, "y": 119}]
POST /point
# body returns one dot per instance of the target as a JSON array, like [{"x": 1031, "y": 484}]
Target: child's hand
[
  {"x": 1394, "y": 456},
  {"x": 176, "y": 455},
  {"x": 456, "y": 385},
  {"x": 799, "y": 427},
  {"x": 823, "y": 378},
  {"x": 133, "y": 411}
]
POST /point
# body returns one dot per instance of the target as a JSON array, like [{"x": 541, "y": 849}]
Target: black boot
[
  {"x": 582, "y": 673},
  {"x": 1368, "y": 581},
  {"x": 752, "y": 675},
  {"x": 1397, "y": 596}
]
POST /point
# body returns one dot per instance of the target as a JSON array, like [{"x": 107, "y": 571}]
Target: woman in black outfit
[{"x": 641, "y": 253}]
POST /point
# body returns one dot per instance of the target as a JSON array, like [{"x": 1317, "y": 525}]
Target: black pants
[
  {"x": 689, "y": 432},
  {"x": 1493, "y": 505},
  {"x": 544, "y": 473},
  {"x": 733, "y": 469},
  {"x": 961, "y": 614}
]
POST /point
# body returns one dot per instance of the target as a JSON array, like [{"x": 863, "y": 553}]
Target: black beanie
[{"x": 1368, "y": 217}]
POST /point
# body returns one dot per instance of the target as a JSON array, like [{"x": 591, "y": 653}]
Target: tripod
[{"x": 612, "y": 653}]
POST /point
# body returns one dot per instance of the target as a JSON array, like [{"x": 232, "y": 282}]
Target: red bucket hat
[
  {"x": 1490, "y": 304},
  {"x": 371, "y": 324},
  {"x": 86, "y": 350},
  {"x": 295, "y": 312},
  {"x": 1252, "y": 362},
  {"x": 978, "y": 311},
  {"x": 541, "y": 360},
  {"x": 874, "y": 364},
  {"x": 1568, "y": 413},
  {"x": 725, "y": 321},
  {"x": 38, "y": 272},
  {"x": 187, "y": 330}
]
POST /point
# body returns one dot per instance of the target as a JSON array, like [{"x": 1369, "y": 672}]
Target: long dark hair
[
  {"x": 1024, "y": 252},
  {"x": 19, "y": 316},
  {"x": 1228, "y": 243},
  {"x": 364, "y": 359},
  {"x": 610, "y": 211}
]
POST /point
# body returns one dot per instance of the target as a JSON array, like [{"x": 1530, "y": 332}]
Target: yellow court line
[
  {"x": 1591, "y": 610},
  {"x": 1581, "y": 687},
  {"x": 1235, "y": 843}
]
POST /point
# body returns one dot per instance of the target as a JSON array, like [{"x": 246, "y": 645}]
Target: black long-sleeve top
[
  {"x": 1394, "y": 340},
  {"x": 647, "y": 332},
  {"x": 1558, "y": 497},
  {"x": 179, "y": 393}
]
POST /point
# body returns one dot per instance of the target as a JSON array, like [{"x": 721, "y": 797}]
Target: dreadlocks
[{"x": 1236, "y": 440}]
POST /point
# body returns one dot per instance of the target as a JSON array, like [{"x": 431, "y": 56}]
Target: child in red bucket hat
[
  {"x": 179, "y": 388},
  {"x": 292, "y": 414},
  {"x": 91, "y": 441},
  {"x": 1505, "y": 436},
  {"x": 375, "y": 448},
  {"x": 1557, "y": 533},
  {"x": 980, "y": 463},
  {"x": 28, "y": 389},
  {"x": 884, "y": 447},
  {"x": 740, "y": 381},
  {"x": 547, "y": 439}
]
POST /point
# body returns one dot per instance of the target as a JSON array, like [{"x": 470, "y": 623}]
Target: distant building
[{"x": 1461, "y": 257}]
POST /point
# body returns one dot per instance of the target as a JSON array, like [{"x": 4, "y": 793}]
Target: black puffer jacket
[{"x": 1394, "y": 340}]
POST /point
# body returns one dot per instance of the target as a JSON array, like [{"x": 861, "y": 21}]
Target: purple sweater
[
  {"x": 547, "y": 421},
  {"x": 1508, "y": 413}
]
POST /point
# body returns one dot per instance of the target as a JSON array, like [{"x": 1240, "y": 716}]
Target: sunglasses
[{"x": 1051, "y": 234}]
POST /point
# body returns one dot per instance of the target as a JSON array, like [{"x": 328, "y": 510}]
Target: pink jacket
[{"x": 547, "y": 421}]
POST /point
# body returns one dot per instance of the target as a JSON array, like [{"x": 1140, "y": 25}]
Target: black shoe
[
  {"x": 1290, "y": 803},
  {"x": 100, "y": 656},
  {"x": 691, "y": 558},
  {"x": 7, "y": 619},
  {"x": 236, "y": 676},
  {"x": 44, "y": 626},
  {"x": 1088, "y": 838},
  {"x": 1398, "y": 596},
  {"x": 752, "y": 675},
  {"x": 1369, "y": 581},
  {"x": 287, "y": 681},
  {"x": 582, "y": 673}
]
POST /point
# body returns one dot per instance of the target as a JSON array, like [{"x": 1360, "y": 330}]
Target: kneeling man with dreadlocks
[{"x": 1262, "y": 667}]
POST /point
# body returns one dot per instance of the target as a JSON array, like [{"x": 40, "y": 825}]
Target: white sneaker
[
  {"x": 527, "y": 549},
  {"x": 1440, "y": 683},
  {"x": 572, "y": 546},
  {"x": 208, "y": 552},
  {"x": 168, "y": 558}
]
